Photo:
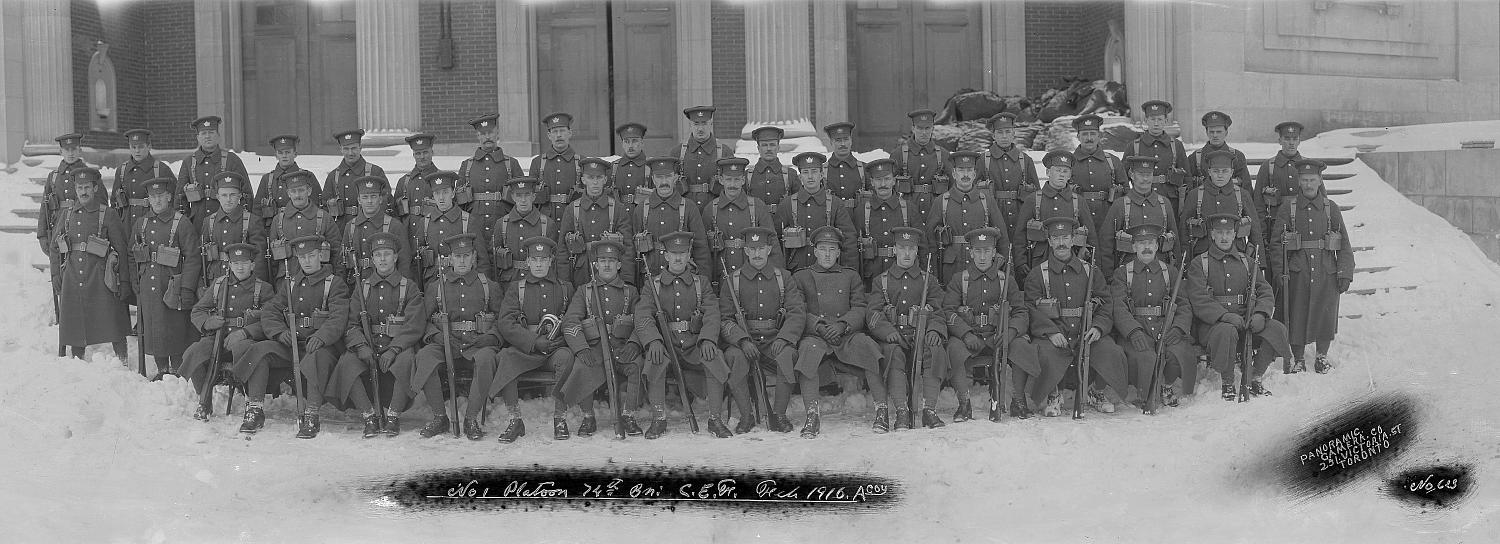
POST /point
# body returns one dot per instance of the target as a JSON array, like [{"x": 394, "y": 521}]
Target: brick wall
[
  {"x": 115, "y": 24},
  {"x": 729, "y": 68},
  {"x": 451, "y": 97},
  {"x": 171, "y": 100},
  {"x": 1094, "y": 34},
  {"x": 1066, "y": 39}
]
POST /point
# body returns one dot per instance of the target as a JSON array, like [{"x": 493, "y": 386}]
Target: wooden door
[
  {"x": 644, "y": 74},
  {"x": 907, "y": 55},
  {"x": 332, "y": 62},
  {"x": 299, "y": 73},
  {"x": 573, "y": 71}
]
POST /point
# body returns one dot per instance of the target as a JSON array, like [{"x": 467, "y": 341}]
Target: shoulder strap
[
  {"x": 867, "y": 218},
  {"x": 463, "y": 170},
  {"x": 172, "y": 235},
  {"x": 611, "y": 224},
  {"x": 255, "y": 295},
  {"x": 484, "y": 283},
  {"x": 577, "y": 214},
  {"x": 682, "y": 215},
  {"x": 713, "y": 208},
  {"x": 463, "y": 222},
  {"x": 780, "y": 287},
  {"x": 327, "y": 286},
  {"x": 905, "y": 221},
  {"x": 752, "y": 200},
  {"x": 963, "y": 297},
  {"x": 1047, "y": 279},
  {"x": 521, "y": 294}
]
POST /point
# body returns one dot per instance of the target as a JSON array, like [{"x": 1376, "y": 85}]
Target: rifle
[
  {"x": 1249, "y": 336},
  {"x": 1281, "y": 298},
  {"x": 364, "y": 325},
  {"x": 671, "y": 345},
  {"x": 1001, "y": 389},
  {"x": 448, "y": 354},
  {"x": 918, "y": 343},
  {"x": 615, "y": 400},
  {"x": 291, "y": 321},
  {"x": 1083, "y": 347},
  {"x": 762, "y": 404},
  {"x": 1153, "y": 391},
  {"x": 206, "y": 397},
  {"x": 62, "y": 349}
]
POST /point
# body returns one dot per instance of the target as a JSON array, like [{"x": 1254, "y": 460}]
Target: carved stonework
[
  {"x": 103, "y": 116},
  {"x": 1353, "y": 38}
]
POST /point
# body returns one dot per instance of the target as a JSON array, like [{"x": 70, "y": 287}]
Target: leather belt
[
  {"x": 1146, "y": 311},
  {"x": 760, "y": 324},
  {"x": 698, "y": 187},
  {"x": 490, "y": 196},
  {"x": 1008, "y": 195},
  {"x": 1231, "y": 299},
  {"x": 238, "y": 322},
  {"x": 885, "y": 251},
  {"x": 1095, "y": 195},
  {"x": 735, "y": 243},
  {"x": 304, "y": 322},
  {"x": 1070, "y": 312},
  {"x": 555, "y": 199},
  {"x": 352, "y": 209},
  {"x": 462, "y": 326},
  {"x": 960, "y": 240},
  {"x": 849, "y": 203},
  {"x": 678, "y": 326},
  {"x": 925, "y": 188},
  {"x": 383, "y": 329},
  {"x": 77, "y": 246},
  {"x": 140, "y": 202},
  {"x": 1296, "y": 244}
]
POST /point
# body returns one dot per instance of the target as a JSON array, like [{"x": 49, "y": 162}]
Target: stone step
[
  {"x": 28, "y": 213},
  {"x": 1381, "y": 290},
  {"x": 1336, "y": 192},
  {"x": 1363, "y": 248},
  {"x": 39, "y": 181},
  {"x": 1332, "y": 161},
  {"x": 35, "y": 197},
  {"x": 1346, "y": 208},
  {"x": 1372, "y": 269},
  {"x": 18, "y": 229},
  {"x": 1333, "y": 177}
]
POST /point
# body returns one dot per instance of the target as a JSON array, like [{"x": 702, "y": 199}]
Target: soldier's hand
[
  {"x": 1173, "y": 336},
  {"x": 1008, "y": 336},
  {"x": 213, "y": 323},
  {"x": 933, "y": 339},
  {"x": 751, "y": 352},
  {"x": 1234, "y": 319},
  {"x": 1058, "y": 340},
  {"x": 1139, "y": 341},
  {"x": 656, "y": 354},
  {"x": 365, "y": 353},
  {"x": 387, "y": 359},
  {"x": 708, "y": 350},
  {"x": 894, "y": 338},
  {"x": 973, "y": 342},
  {"x": 541, "y": 343},
  {"x": 777, "y": 346},
  {"x": 313, "y": 344},
  {"x": 287, "y": 338},
  {"x": 554, "y": 344},
  {"x": 1343, "y": 285},
  {"x": 1092, "y": 335},
  {"x": 1257, "y": 322},
  {"x": 821, "y": 330},
  {"x": 589, "y": 357},
  {"x": 237, "y": 335}
]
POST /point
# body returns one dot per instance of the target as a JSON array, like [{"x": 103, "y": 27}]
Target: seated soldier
[
  {"x": 605, "y": 295},
  {"x": 1220, "y": 285},
  {"x": 318, "y": 318},
  {"x": 462, "y": 297},
  {"x": 538, "y": 298},
  {"x": 763, "y": 315},
  {"x": 385, "y": 324},
  {"x": 1142, "y": 291},
  {"x": 836, "y": 309},
  {"x": 231, "y": 301},
  {"x": 896, "y": 302},
  {"x": 979, "y": 325},
  {"x": 690, "y": 310}
]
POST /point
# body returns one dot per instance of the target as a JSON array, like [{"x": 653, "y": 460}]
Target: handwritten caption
[{"x": 727, "y": 489}]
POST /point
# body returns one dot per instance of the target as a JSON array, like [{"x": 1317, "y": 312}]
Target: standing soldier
[
  {"x": 539, "y": 299},
  {"x": 1141, "y": 205},
  {"x": 896, "y": 305},
  {"x": 811, "y": 207},
  {"x": 272, "y": 188},
  {"x": 836, "y": 314},
  {"x": 961, "y": 209},
  {"x": 465, "y": 299},
  {"x": 1058, "y": 198},
  {"x": 558, "y": 169},
  {"x": 687, "y": 304},
  {"x": 299, "y": 218},
  {"x": 166, "y": 276},
  {"x": 1220, "y": 289},
  {"x": 1170, "y": 170},
  {"x": 231, "y": 224},
  {"x": 1057, "y": 293},
  {"x": 605, "y": 296},
  {"x": 1097, "y": 176},
  {"x": 770, "y": 181},
  {"x": 445, "y": 220},
  {"x": 595, "y": 216},
  {"x": 1311, "y": 255},
  {"x": 774, "y": 314},
  {"x": 130, "y": 178},
  {"x": 699, "y": 156},
  {"x": 666, "y": 211},
  {"x": 1219, "y": 195},
  {"x": 59, "y": 194},
  {"x": 525, "y": 221},
  {"x": 976, "y": 328},
  {"x": 1276, "y": 181},
  {"x": 339, "y": 187},
  {"x": 728, "y": 215},
  {"x": 631, "y": 179},
  {"x": 1141, "y": 292},
  {"x": 921, "y": 165},
  {"x": 88, "y": 239},
  {"x": 1007, "y": 170},
  {"x": 373, "y": 216},
  {"x": 385, "y": 325},
  {"x": 1216, "y": 126},
  {"x": 487, "y": 172},
  {"x": 197, "y": 172},
  {"x": 412, "y": 196},
  {"x": 845, "y": 174},
  {"x": 320, "y": 313},
  {"x": 875, "y": 216},
  {"x": 240, "y": 313}
]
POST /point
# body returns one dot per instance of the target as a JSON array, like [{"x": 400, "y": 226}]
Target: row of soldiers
[{"x": 578, "y": 209}]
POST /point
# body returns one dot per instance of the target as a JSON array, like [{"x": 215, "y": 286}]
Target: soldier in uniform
[
  {"x": 976, "y": 329},
  {"x": 412, "y": 198},
  {"x": 1057, "y": 293},
  {"x": 300, "y": 217},
  {"x": 339, "y": 187},
  {"x": 1276, "y": 181},
  {"x": 197, "y": 172},
  {"x": 483, "y": 177},
  {"x": 835, "y": 327},
  {"x": 687, "y": 304},
  {"x": 467, "y": 301},
  {"x": 774, "y": 313},
  {"x": 539, "y": 298},
  {"x": 1140, "y": 205},
  {"x": 232, "y": 224},
  {"x": 606, "y": 296},
  {"x": 59, "y": 194},
  {"x": 1170, "y": 170},
  {"x": 876, "y": 216},
  {"x": 385, "y": 326},
  {"x": 595, "y": 216},
  {"x": 373, "y": 216},
  {"x": 1219, "y": 286},
  {"x": 895, "y": 306},
  {"x": 1058, "y": 198},
  {"x": 89, "y": 241},
  {"x": 1141, "y": 291},
  {"x": 1097, "y": 176},
  {"x": 1216, "y": 126},
  {"x": 130, "y": 192},
  {"x": 699, "y": 156},
  {"x": 921, "y": 165},
  {"x": 811, "y": 207},
  {"x": 844, "y": 174},
  {"x": 961, "y": 209},
  {"x": 319, "y": 318},
  {"x": 524, "y": 221},
  {"x": 1309, "y": 250},
  {"x": 729, "y": 213},
  {"x": 666, "y": 211},
  {"x": 558, "y": 168},
  {"x": 446, "y": 219},
  {"x": 770, "y": 181},
  {"x": 242, "y": 294},
  {"x": 1219, "y": 195},
  {"x": 1007, "y": 170},
  {"x": 272, "y": 188},
  {"x": 166, "y": 276},
  {"x": 631, "y": 178}
]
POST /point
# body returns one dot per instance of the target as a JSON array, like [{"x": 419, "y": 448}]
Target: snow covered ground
[{"x": 92, "y": 452}]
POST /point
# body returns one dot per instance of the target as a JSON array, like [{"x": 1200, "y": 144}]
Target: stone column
[
  {"x": 388, "y": 81},
  {"x": 12, "y": 82},
  {"x": 217, "y": 59},
  {"x": 695, "y": 59},
  {"x": 1149, "y": 67},
  {"x": 776, "y": 61},
  {"x": 831, "y": 42},
  {"x": 514, "y": 52},
  {"x": 49, "y": 72},
  {"x": 1004, "y": 31}
]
